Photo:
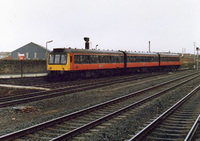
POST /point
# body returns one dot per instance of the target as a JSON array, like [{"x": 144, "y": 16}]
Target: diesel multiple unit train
[{"x": 69, "y": 63}]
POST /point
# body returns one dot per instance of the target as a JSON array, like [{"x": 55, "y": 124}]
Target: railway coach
[
  {"x": 70, "y": 63},
  {"x": 169, "y": 61},
  {"x": 141, "y": 62}
]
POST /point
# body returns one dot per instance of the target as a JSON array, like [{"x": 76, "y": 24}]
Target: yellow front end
[{"x": 59, "y": 67}]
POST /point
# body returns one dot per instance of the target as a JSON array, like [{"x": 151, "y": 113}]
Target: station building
[{"x": 31, "y": 51}]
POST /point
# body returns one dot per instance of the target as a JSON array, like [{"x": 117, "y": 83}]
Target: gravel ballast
[{"x": 43, "y": 110}]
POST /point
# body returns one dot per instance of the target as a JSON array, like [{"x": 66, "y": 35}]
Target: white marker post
[{"x": 21, "y": 57}]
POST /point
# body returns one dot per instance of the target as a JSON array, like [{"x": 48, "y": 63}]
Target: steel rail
[
  {"x": 193, "y": 129},
  {"x": 99, "y": 121},
  {"x": 9, "y": 101},
  {"x": 52, "y": 122},
  {"x": 159, "y": 119},
  {"x": 50, "y": 94}
]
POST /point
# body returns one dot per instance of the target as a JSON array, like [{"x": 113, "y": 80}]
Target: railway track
[
  {"x": 68, "y": 126},
  {"x": 24, "y": 98},
  {"x": 101, "y": 80},
  {"x": 176, "y": 123},
  {"x": 194, "y": 133},
  {"x": 42, "y": 82}
]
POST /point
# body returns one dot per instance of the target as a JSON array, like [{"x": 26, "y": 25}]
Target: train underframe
[{"x": 68, "y": 75}]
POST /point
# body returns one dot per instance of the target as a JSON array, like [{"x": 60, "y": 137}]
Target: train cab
[{"x": 58, "y": 62}]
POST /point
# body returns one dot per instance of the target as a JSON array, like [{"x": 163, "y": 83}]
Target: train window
[
  {"x": 87, "y": 59},
  {"x": 117, "y": 59},
  {"x": 128, "y": 58},
  {"x": 76, "y": 59},
  {"x": 132, "y": 59},
  {"x": 100, "y": 59},
  {"x": 136, "y": 59},
  {"x": 152, "y": 59},
  {"x": 96, "y": 59},
  {"x": 121, "y": 59},
  {"x": 140, "y": 58},
  {"x": 156, "y": 59},
  {"x": 146, "y": 59},
  {"x": 91, "y": 59},
  {"x": 81, "y": 59},
  {"x": 51, "y": 58},
  {"x": 63, "y": 59},
  {"x": 57, "y": 59},
  {"x": 112, "y": 59},
  {"x": 106, "y": 59}
]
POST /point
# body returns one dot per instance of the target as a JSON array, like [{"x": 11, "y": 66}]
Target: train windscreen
[{"x": 57, "y": 59}]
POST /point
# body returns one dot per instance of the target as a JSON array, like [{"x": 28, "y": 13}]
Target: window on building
[
  {"x": 26, "y": 55},
  {"x": 35, "y": 55}
]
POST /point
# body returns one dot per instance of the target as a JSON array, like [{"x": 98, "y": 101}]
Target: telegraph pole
[{"x": 149, "y": 46}]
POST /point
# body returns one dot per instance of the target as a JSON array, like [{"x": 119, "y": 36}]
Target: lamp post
[
  {"x": 197, "y": 48},
  {"x": 46, "y": 48},
  {"x": 194, "y": 53}
]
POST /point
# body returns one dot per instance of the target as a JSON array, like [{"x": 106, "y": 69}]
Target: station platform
[{"x": 23, "y": 75}]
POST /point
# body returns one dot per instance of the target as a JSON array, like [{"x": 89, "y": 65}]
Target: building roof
[
  {"x": 4, "y": 54},
  {"x": 34, "y": 44},
  {"x": 7, "y": 58}
]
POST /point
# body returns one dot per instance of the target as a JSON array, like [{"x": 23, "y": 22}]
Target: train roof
[
  {"x": 141, "y": 53},
  {"x": 169, "y": 54},
  {"x": 72, "y": 50}
]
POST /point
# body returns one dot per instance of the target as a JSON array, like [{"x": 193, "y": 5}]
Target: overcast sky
[{"x": 170, "y": 25}]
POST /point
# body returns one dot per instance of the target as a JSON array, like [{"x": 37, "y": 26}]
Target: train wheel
[{"x": 54, "y": 76}]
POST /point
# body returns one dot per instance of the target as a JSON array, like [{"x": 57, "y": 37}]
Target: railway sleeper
[
  {"x": 36, "y": 137},
  {"x": 160, "y": 139},
  {"x": 177, "y": 116},
  {"x": 172, "y": 131},
  {"x": 179, "y": 121},
  {"x": 49, "y": 134},
  {"x": 168, "y": 135},
  {"x": 57, "y": 130},
  {"x": 174, "y": 126}
]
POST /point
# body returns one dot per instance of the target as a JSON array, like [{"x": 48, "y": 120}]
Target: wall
[{"x": 29, "y": 66}]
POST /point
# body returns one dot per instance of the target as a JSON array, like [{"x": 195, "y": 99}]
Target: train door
[
  {"x": 159, "y": 59},
  {"x": 71, "y": 61}
]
